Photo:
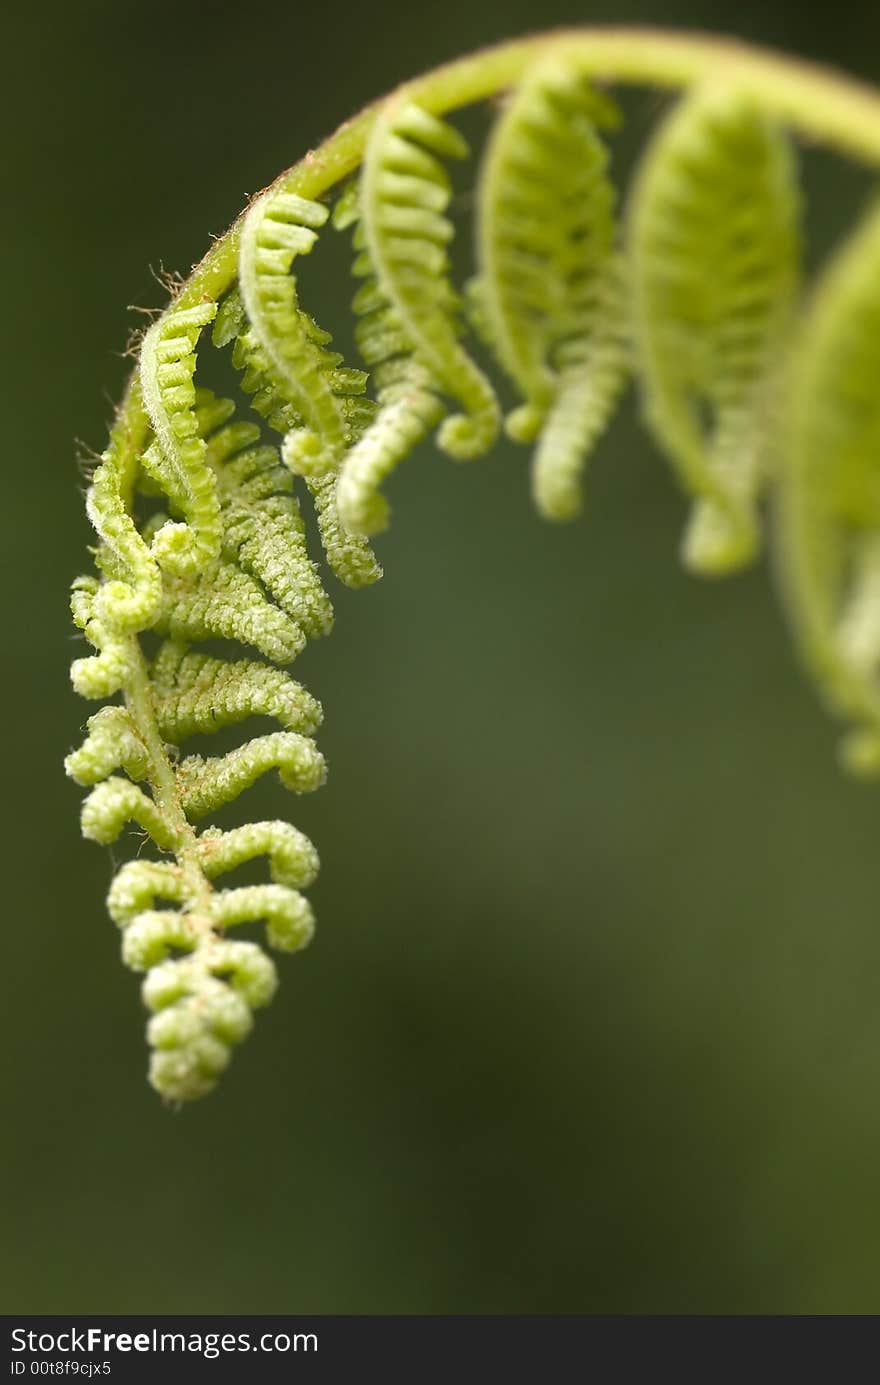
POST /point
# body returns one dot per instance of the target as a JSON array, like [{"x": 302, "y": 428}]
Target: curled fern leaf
[
  {"x": 128, "y": 599},
  {"x": 138, "y": 884},
  {"x": 264, "y": 590},
  {"x": 112, "y": 743},
  {"x": 116, "y": 802},
  {"x": 260, "y": 588},
  {"x": 830, "y": 493},
  {"x": 348, "y": 555},
  {"x": 714, "y": 260},
  {"x": 409, "y": 397},
  {"x": 133, "y": 594},
  {"x": 592, "y": 373},
  {"x": 405, "y": 192},
  {"x": 195, "y": 694},
  {"x": 283, "y": 344},
  {"x": 550, "y": 295},
  {"x": 206, "y": 784},
  {"x": 292, "y": 858},
  {"x": 202, "y": 1002},
  {"x": 228, "y": 604},
  {"x": 176, "y": 460},
  {"x": 104, "y": 673},
  {"x": 200, "y": 537},
  {"x": 263, "y": 531}
]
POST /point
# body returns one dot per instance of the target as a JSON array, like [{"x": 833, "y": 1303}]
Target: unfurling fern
[
  {"x": 550, "y": 295},
  {"x": 408, "y": 393},
  {"x": 201, "y": 540},
  {"x": 404, "y": 197},
  {"x": 831, "y": 491},
  {"x": 714, "y": 259},
  {"x": 260, "y": 589}
]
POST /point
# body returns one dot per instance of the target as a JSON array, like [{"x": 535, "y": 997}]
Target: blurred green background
[{"x": 592, "y": 1021}]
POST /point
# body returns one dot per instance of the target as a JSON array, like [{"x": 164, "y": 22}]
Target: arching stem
[{"x": 818, "y": 104}]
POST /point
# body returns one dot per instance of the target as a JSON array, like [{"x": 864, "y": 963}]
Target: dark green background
[{"x": 592, "y": 1022}]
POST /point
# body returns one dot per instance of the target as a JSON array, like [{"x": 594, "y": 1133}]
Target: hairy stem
[
  {"x": 163, "y": 782},
  {"x": 817, "y": 102}
]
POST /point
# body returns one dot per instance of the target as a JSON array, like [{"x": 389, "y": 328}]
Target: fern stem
[
  {"x": 163, "y": 782},
  {"x": 819, "y": 104}
]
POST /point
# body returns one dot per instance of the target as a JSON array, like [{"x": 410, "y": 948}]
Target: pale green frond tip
[
  {"x": 714, "y": 249},
  {"x": 293, "y": 859},
  {"x": 206, "y": 784},
  {"x": 405, "y": 193},
  {"x": 717, "y": 543},
  {"x": 544, "y": 300},
  {"x": 830, "y": 491},
  {"x": 208, "y": 575},
  {"x": 112, "y": 743},
  {"x": 138, "y": 884},
  {"x": 593, "y": 369},
  {"x": 288, "y": 914},
  {"x": 407, "y": 393},
  {"x": 176, "y": 459},
  {"x": 860, "y": 754}
]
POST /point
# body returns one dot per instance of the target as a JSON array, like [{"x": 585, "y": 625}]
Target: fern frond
[
  {"x": 293, "y": 861},
  {"x": 284, "y": 345},
  {"x": 112, "y": 743},
  {"x": 409, "y": 398},
  {"x": 279, "y": 404},
  {"x": 104, "y": 673},
  {"x": 206, "y": 784},
  {"x": 405, "y": 192},
  {"x": 115, "y": 803},
  {"x": 550, "y": 297},
  {"x": 251, "y": 974},
  {"x": 195, "y": 694},
  {"x": 128, "y": 599},
  {"x": 830, "y": 492},
  {"x": 228, "y": 604},
  {"x": 259, "y": 588},
  {"x": 592, "y": 373},
  {"x": 138, "y": 884},
  {"x": 263, "y": 530},
  {"x": 153, "y": 936},
  {"x": 348, "y": 555},
  {"x": 133, "y": 592},
  {"x": 202, "y": 1003},
  {"x": 176, "y": 460},
  {"x": 714, "y": 247},
  {"x": 200, "y": 535},
  {"x": 290, "y": 923}
]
